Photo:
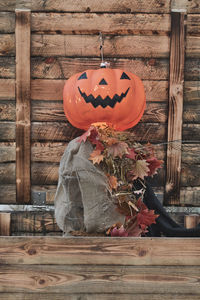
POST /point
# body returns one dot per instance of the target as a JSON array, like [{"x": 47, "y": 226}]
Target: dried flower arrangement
[{"x": 124, "y": 163}]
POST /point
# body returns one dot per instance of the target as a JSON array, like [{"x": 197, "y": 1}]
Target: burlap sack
[{"x": 82, "y": 200}]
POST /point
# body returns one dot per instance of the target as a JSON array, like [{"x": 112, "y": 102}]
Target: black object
[{"x": 165, "y": 225}]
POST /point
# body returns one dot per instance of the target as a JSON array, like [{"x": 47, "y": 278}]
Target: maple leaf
[
  {"x": 96, "y": 156},
  {"x": 90, "y": 132},
  {"x": 118, "y": 149},
  {"x": 145, "y": 217},
  {"x": 154, "y": 164},
  {"x": 112, "y": 180},
  {"x": 140, "y": 169},
  {"x": 131, "y": 153},
  {"x": 99, "y": 145}
]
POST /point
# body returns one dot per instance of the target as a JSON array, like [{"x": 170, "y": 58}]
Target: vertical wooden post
[
  {"x": 5, "y": 224},
  {"x": 22, "y": 34},
  {"x": 177, "y": 50}
]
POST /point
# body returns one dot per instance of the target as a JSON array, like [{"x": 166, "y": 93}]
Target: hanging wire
[
  {"x": 104, "y": 64},
  {"x": 101, "y": 46}
]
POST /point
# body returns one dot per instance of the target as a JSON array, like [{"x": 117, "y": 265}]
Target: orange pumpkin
[{"x": 113, "y": 96}]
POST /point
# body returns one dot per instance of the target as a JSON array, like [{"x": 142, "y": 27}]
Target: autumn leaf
[
  {"x": 140, "y": 169},
  {"x": 90, "y": 132},
  {"x": 154, "y": 164},
  {"x": 131, "y": 153},
  {"x": 112, "y": 180},
  {"x": 145, "y": 217},
  {"x": 99, "y": 145},
  {"x": 96, "y": 157},
  {"x": 118, "y": 149}
]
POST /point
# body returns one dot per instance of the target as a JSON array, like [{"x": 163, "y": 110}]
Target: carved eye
[
  {"x": 83, "y": 76},
  {"x": 125, "y": 76}
]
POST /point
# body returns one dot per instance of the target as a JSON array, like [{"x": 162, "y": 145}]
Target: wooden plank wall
[
  {"x": 64, "y": 40},
  {"x": 90, "y": 268}
]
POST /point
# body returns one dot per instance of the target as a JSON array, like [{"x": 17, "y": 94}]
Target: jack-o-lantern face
[{"x": 113, "y": 96}]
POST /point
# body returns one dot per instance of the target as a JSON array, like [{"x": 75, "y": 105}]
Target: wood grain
[
  {"x": 172, "y": 187},
  {"x": 63, "y": 67},
  {"x": 7, "y": 67},
  {"x": 102, "y": 296},
  {"x": 4, "y": 224},
  {"x": 8, "y": 194},
  {"x": 160, "y": 6},
  {"x": 88, "y": 45},
  {"x": 7, "y": 22},
  {"x": 7, "y": 110},
  {"x": 98, "y": 279},
  {"x": 7, "y": 152},
  {"x": 89, "y": 23},
  {"x": 7, "y": 89},
  {"x": 99, "y": 251},
  {"x": 23, "y": 106},
  {"x": 34, "y": 222}
]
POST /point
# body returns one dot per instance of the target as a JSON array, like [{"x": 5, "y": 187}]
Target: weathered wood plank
[
  {"x": 190, "y": 175},
  {"x": 54, "y": 131},
  {"x": 172, "y": 187},
  {"x": 7, "y": 110},
  {"x": 88, "y": 45},
  {"x": 146, "y": 69},
  {"x": 48, "y": 152},
  {"x": 98, "y": 279},
  {"x": 7, "y": 152},
  {"x": 7, "y": 22},
  {"x": 44, "y": 173},
  {"x": 154, "y": 6},
  {"x": 5, "y": 224},
  {"x": 7, "y": 67},
  {"x": 192, "y": 46},
  {"x": 8, "y": 194},
  {"x": 7, "y": 89},
  {"x": 57, "y": 131},
  {"x": 102, "y": 296},
  {"x": 132, "y": 251},
  {"x": 193, "y": 24},
  {"x": 190, "y": 196},
  {"x": 7, "y": 131},
  {"x": 42, "y": 89},
  {"x": 63, "y": 67},
  {"x": 34, "y": 222},
  {"x": 23, "y": 106},
  {"x": 7, "y": 173},
  {"x": 192, "y": 69},
  {"x": 53, "y": 111},
  {"x": 7, "y": 44},
  {"x": 87, "y": 23},
  {"x": 191, "y": 91}
]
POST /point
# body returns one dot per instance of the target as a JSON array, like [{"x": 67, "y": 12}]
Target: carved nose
[{"x": 103, "y": 82}]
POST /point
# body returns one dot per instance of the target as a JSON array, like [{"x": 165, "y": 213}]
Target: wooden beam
[
  {"x": 101, "y": 251},
  {"x": 5, "y": 224},
  {"x": 23, "y": 19},
  {"x": 177, "y": 49}
]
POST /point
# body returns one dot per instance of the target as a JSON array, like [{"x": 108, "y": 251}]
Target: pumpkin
[{"x": 112, "y": 96}]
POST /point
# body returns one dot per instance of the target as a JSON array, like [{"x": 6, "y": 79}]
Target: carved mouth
[{"x": 107, "y": 101}]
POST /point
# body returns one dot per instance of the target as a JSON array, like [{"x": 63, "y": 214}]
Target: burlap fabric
[{"x": 83, "y": 201}]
